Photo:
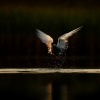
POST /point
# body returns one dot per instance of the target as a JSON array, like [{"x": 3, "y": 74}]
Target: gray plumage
[{"x": 62, "y": 43}]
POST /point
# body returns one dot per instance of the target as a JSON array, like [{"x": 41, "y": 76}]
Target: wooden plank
[{"x": 46, "y": 70}]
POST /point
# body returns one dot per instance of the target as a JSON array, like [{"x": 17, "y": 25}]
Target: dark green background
[{"x": 19, "y": 46}]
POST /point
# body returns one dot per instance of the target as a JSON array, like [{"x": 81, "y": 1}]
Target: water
[{"x": 57, "y": 61}]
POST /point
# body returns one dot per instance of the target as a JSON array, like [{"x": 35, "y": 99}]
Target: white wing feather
[
  {"x": 67, "y": 35},
  {"x": 45, "y": 39},
  {"x": 63, "y": 40}
]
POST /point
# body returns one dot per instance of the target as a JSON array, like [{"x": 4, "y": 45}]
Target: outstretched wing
[
  {"x": 63, "y": 40},
  {"x": 45, "y": 39}
]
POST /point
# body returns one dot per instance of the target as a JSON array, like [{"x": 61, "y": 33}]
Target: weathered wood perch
[{"x": 46, "y": 70}]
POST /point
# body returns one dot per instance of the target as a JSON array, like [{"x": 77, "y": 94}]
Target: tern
[{"x": 62, "y": 44}]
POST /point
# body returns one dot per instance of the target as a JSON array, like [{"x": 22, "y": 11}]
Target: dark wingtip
[
  {"x": 36, "y": 29},
  {"x": 80, "y": 27}
]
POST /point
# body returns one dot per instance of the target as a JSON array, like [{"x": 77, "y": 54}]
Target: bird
[{"x": 62, "y": 44}]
